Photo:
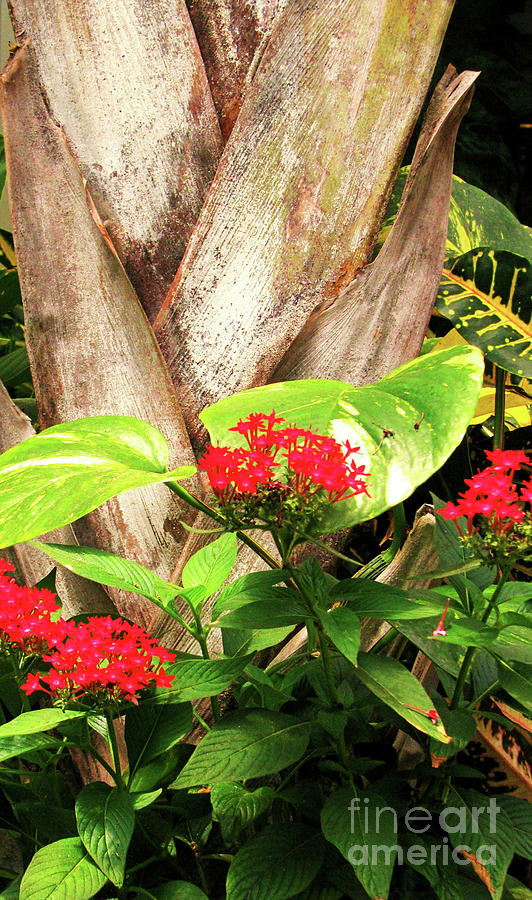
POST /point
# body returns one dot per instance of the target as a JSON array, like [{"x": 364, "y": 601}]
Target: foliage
[{"x": 283, "y": 795}]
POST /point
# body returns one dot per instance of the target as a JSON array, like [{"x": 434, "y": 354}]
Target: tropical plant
[{"x": 196, "y": 195}]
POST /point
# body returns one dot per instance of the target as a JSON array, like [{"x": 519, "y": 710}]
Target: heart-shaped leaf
[
  {"x": 68, "y": 470},
  {"x": 406, "y": 425}
]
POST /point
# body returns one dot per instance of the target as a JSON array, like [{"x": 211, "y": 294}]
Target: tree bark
[
  {"x": 301, "y": 189},
  {"x": 91, "y": 349},
  {"x": 126, "y": 82}
]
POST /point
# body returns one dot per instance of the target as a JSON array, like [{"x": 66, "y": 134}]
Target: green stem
[
  {"x": 498, "y": 425},
  {"x": 103, "y": 762},
  {"x": 324, "y": 546},
  {"x": 327, "y": 668},
  {"x": 462, "y": 676},
  {"x": 194, "y": 501},
  {"x": 485, "y": 693},
  {"x": 215, "y": 704},
  {"x": 114, "y": 749},
  {"x": 202, "y": 721},
  {"x": 377, "y": 565},
  {"x": 471, "y": 651},
  {"x": 202, "y": 878}
]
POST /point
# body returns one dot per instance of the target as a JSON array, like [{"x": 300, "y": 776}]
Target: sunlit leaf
[
  {"x": 68, "y": 470},
  {"x": 406, "y": 425}
]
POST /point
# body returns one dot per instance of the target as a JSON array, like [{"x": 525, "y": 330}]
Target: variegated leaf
[
  {"x": 475, "y": 220},
  {"x": 487, "y": 295}
]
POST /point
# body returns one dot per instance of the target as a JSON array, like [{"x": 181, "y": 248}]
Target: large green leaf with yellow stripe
[
  {"x": 487, "y": 295},
  {"x": 478, "y": 220},
  {"x": 475, "y": 220}
]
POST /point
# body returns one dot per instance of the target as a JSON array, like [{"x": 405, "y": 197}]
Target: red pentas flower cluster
[
  {"x": 103, "y": 660},
  {"x": 27, "y": 620},
  {"x": 493, "y": 495},
  {"x": 293, "y": 460}
]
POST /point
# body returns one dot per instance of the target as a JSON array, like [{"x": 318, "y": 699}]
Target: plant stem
[
  {"x": 201, "y": 873},
  {"x": 327, "y": 668},
  {"x": 470, "y": 653},
  {"x": 215, "y": 704},
  {"x": 498, "y": 425},
  {"x": 194, "y": 501},
  {"x": 103, "y": 762},
  {"x": 485, "y": 693},
  {"x": 114, "y": 749}
]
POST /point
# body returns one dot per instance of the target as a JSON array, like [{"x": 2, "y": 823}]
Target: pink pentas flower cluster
[
  {"x": 103, "y": 659},
  {"x": 492, "y": 494},
  {"x": 291, "y": 458}
]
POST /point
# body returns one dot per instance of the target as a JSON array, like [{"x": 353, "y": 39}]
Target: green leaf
[
  {"x": 517, "y": 680},
  {"x": 514, "y": 644},
  {"x": 87, "y": 462},
  {"x": 478, "y": 220},
  {"x": 487, "y": 838},
  {"x": 246, "y": 744},
  {"x": 363, "y": 828},
  {"x": 475, "y": 220},
  {"x": 160, "y": 771},
  {"x": 61, "y": 871},
  {"x": 448, "y": 657},
  {"x": 152, "y": 728},
  {"x": 248, "y": 588},
  {"x": 342, "y": 626},
  {"x": 106, "y": 819},
  {"x": 141, "y": 799},
  {"x": 211, "y": 565},
  {"x": 514, "y": 890},
  {"x": 459, "y": 724},
  {"x": 398, "y": 688},
  {"x": 279, "y": 862},
  {"x": 464, "y": 632},
  {"x": 234, "y": 807},
  {"x": 112, "y": 571},
  {"x": 237, "y": 641},
  {"x": 20, "y": 745},
  {"x": 437, "y": 393},
  {"x": 265, "y": 614},
  {"x": 38, "y": 720},
  {"x": 487, "y": 295},
  {"x": 519, "y": 813},
  {"x": 196, "y": 678},
  {"x": 175, "y": 890},
  {"x": 384, "y": 601},
  {"x": 15, "y": 367},
  {"x": 12, "y": 891},
  {"x": 9, "y": 290}
]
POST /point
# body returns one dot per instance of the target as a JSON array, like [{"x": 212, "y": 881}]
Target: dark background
[{"x": 494, "y": 147}]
